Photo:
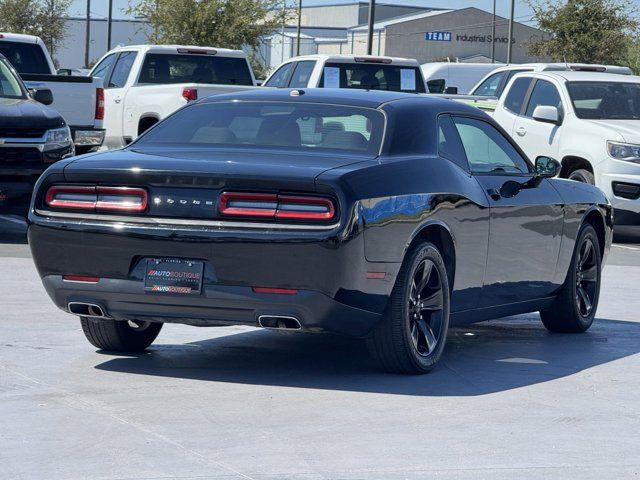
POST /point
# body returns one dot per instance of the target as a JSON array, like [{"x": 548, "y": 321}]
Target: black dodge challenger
[{"x": 373, "y": 214}]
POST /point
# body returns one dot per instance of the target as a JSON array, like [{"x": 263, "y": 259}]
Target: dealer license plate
[{"x": 169, "y": 275}]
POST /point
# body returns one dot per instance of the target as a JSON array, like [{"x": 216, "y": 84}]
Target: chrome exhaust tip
[
  {"x": 86, "y": 309},
  {"x": 279, "y": 322}
]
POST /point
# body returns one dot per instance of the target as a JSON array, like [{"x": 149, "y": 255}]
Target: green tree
[
  {"x": 221, "y": 23},
  {"x": 585, "y": 31},
  {"x": 44, "y": 18}
]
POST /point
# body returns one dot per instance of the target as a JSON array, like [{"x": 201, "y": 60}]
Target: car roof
[
  {"x": 174, "y": 49},
  {"x": 351, "y": 59},
  {"x": 341, "y": 96},
  {"x": 571, "y": 76}
]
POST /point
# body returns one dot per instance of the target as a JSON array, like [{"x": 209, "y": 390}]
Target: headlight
[
  {"x": 624, "y": 151},
  {"x": 60, "y": 136}
]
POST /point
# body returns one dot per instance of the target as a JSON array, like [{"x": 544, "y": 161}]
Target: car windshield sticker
[
  {"x": 331, "y": 77},
  {"x": 407, "y": 79}
]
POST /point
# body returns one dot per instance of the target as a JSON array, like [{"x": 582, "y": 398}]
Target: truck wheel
[
  {"x": 120, "y": 336},
  {"x": 575, "y": 306},
  {"x": 412, "y": 335},
  {"x": 582, "y": 175}
]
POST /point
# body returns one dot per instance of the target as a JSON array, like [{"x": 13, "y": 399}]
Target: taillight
[
  {"x": 276, "y": 207},
  {"x": 121, "y": 199},
  {"x": 190, "y": 94},
  {"x": 98, "y": 199},
  {"x": 99, "y": 103},
  {"x": 76, "y": 198}
]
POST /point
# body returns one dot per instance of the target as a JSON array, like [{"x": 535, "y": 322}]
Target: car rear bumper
[
  {"x": 335, "y": 289},
  {"x": 216, "y": 305}
]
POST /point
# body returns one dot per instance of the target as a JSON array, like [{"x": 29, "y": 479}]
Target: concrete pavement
[{"x": 509, "y": 400}]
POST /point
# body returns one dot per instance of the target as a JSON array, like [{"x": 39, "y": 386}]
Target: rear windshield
[
  {"x": 605, "y": 100},
  {"x": 9, "y": 84},
  {"x": 286, "y": 125},
  {"x": 372, "y": 76},
  {"x": 159, "y": 68},
  {"x": 25, "y": 57}
]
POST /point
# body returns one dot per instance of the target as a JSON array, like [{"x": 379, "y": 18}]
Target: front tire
[
  {"x": 575, "y": 307},
  {"x": 582, "y": 175},
  {"x": 120, "y": 336},
  {"x": 413, "y": 332}
]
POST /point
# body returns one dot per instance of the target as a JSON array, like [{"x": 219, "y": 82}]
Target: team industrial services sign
[{"x": 448, "y": 37}]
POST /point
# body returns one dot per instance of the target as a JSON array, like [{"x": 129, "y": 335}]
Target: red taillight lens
[
  {"x": 190, "y": 94},
  {"x": 291, "y": 207},
  {"x": 99, "y": 103},
  {"x": 276, "y": 207},
  {"x": 121, "y": 199},
  {"x": 76, "y": 198},
  {"x": 100, "y": 199},
  {"x": 261, "y": 205}
]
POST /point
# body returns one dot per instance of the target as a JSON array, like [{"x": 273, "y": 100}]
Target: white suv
[{"x": 590, "y": 122}]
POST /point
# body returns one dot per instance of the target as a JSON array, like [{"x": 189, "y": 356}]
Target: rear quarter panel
[{"x": 399, "y": 198}]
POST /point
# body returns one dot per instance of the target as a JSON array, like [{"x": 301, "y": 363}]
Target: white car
[
  {"x": 453, "y": 77},
  {"x": 78, "y": 99},
  {"x": 349, "y": 71},
  {"x": 145, "y": 83},
  {"x": 590, "y": 122},
  {"x": 494, "y": 83}
]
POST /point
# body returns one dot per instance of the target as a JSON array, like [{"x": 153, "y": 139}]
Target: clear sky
[{"x": 522, "y": 11}]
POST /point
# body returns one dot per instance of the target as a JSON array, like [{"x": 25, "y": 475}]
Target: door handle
[
  {"x": 494, "y": 194},
  {"x": 521, "y": 131}
]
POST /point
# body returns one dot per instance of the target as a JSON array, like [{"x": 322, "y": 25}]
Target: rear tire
[
  {"x": 119, "y": 336},
  {"x": 575, "y": 306},
  {"x": 582, "y": 175},
  {"x": 413, "y": 332}
]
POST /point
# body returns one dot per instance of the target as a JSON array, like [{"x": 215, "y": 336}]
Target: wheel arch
[
  {"x": 594, "y": 218},
  {"x": 147, "y": 121},
  {"x": 571, "y": 163},
  {"x": 440, "y": 235}
]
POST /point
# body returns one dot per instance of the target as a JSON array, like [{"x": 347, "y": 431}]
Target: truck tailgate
[{"x": 73, "y": 97}]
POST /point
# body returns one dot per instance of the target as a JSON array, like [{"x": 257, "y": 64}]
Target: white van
[{"x": 455, "y": 78}]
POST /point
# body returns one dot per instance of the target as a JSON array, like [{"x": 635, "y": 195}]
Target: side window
[
  {"x": 543, "y": 93},
  {"x": 280, "y": 77},
  {"x": 121, "y": 70},
  {"x": 488, "y": 151},
  {"x": 301, "y": 75},
  {"x": 490, "y": 86},
  {"x": 103, "y": 67},
  {"x": 449, "y": 145},
  {"x": 516, "y": 96}
]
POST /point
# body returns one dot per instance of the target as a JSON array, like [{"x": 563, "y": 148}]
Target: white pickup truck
[
  {"x": 145, "y": 83},
  {"x": 78, "y": 99},
  {"x": 590, "y": 122},
  {"x": 349, "y": 71}
]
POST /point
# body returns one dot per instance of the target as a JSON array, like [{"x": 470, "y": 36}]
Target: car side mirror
[
  {"x": 44, "y": 96},
  {"x": 451, "y": 90},
  {"x": 547, "y": 167},
  {"x": 547, "y": 114}
]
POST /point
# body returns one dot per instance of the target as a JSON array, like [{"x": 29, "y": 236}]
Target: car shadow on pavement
[{"x": 479, "y": 359}]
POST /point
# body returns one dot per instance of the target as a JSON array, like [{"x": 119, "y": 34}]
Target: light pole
[
  {"x": 509, "y": 45},
  {"x": 372, "y": 16},
  {"x": 87, "y": 35},
  {"x": 299, "y": 21},
  {"x": 109, "y": 19},
  {"x": 493, "y": 35}
]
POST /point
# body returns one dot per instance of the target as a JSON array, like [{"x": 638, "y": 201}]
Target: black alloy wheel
[
  {"x": 574, "y": 308},
  {"x": 586, "y": 277},
  {"x": 425, "y": 309},
  {"x": 412, "y": 335}
]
